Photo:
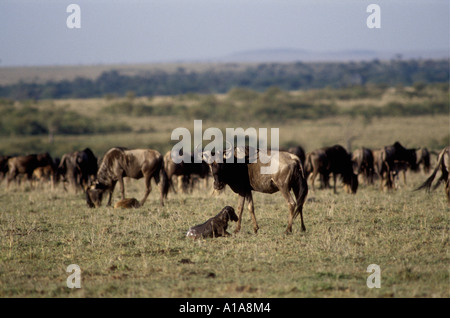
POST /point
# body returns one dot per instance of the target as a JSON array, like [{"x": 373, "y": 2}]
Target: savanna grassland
[{"x": 144, "y": 252}]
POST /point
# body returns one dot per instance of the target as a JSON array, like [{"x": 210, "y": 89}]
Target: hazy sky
[{"x": 123, "y": 31}]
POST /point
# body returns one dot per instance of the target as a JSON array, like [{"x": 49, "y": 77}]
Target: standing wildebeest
[
  {"x": 334, "y": 160},
  {"x": 173, "y": 169},
  {"x": 389, "y": 159},
  {"x": 79, "y": 168},
  {"x": 3, "y": 166},
  {"x": 27, "y": 164},
  {"x": 245, "y": 177},
  {"x": 186, "y": 172},
  {"x": 444, "y": 166},
  {"x": 118, "y": 163},
  {"x": 299, "y": 152},
  {"x": 423, "y": 159},
  {"x": 362, "y": 159}
]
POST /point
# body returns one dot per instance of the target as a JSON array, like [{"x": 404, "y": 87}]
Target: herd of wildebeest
[{"x": 96, "y": 177}]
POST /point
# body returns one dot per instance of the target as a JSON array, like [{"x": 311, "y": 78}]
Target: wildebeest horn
[
  {"x": 240, "y": 152},
  {"x": 198, "y": 154},
  {"x": 176, "y": 157},
  {"x": 230, "y": 147},
  {"x": 207, "y": 157},
  {"x": 228, "y": 153}
]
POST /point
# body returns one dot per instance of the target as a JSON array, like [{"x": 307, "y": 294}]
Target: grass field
[{"x": 144, "y": 252}]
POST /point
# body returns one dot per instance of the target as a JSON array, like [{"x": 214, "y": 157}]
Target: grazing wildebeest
[
  {"x": 333, "y": 160},
  {"x": 118, "y": 163},
  {"x": 245, "y": 177},
  {"x": 443, "y": 165},
  {"x": 388, "y": 160},
  {"x": 79, "y": 167},
  {"x": 25, "y": 165},
  {"x": 299, "y": 152},
  {"x": 215, "y": 226},
  {"x": 362, "y": 159}
]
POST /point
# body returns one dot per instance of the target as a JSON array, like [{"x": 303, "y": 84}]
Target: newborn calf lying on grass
[{"x": 214, "y": 227}]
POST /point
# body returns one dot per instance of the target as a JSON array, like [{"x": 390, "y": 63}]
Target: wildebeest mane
[{"x": 104, "y": 174}]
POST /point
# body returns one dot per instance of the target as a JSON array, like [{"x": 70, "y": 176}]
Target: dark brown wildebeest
[
  {"x": 25, "y": 165},
  {"x": 185, "y": 171},
  {"x": 79, "y": 168},
  {"x": 333, "y": 160},
  {"x": 215, "y": 226},
  {"x": 316, "y": 164},
  {"x": 245, "y": 177},
  {"x": 362, "y": 159},
  {"x": 175, "y": 170},
  {"x": 423, "y": 159},
  {"x": 118, "y": 163},
  {"x": 443, "y": 165},
  {"x": 388, "y": 160},
  {"x": 299, "y": 152},
  {"x": 3, "y": 166}
]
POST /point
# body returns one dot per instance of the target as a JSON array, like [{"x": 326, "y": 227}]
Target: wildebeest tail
[
  {"x": 427, "y": 184},
  {"x": 161, "y": 176},
  {"x": 300, "y": 188}
]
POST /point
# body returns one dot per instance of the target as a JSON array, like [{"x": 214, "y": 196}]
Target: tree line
[{"x": 287, "y": 76}]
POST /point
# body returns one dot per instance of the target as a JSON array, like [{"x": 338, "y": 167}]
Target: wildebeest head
[
  {"x": 94, "y": 195},
  {"x": 216, "y": 161},
  {"x": 218, "y": 171},
  {"x": 354, "y": 183}
]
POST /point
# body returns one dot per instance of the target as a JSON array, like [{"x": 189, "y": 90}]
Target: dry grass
[{"x": 144, "y": 252}]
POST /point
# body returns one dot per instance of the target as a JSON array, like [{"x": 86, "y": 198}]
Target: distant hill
[{"x": 294, "y": 55}]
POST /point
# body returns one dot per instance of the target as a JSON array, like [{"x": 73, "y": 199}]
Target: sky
[{"x": 131, "y": 31}]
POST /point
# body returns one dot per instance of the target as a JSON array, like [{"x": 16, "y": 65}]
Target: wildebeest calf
[
  {"x": 214, "y": 227},
  {"x": 127, "y": 203}
]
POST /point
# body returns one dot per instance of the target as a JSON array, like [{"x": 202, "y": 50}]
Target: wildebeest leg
[
  {"x": 148, "y": 188},
  {"x": 180, "y": 184},
  {"x": 447, "y": 190},
  {"x": 334, "y": 183},
  {"x": 240, "y": 208},
  {"x": 111, "y": 193},
  {"x": 313, "y": 178},
  {"x": 30, "y": 179},
  {"x": 122, "y": 187},
  {"x": 285, "y": 191},
  {"x": 11, "y": 175},
  {"x": 251, "y": 209}
]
